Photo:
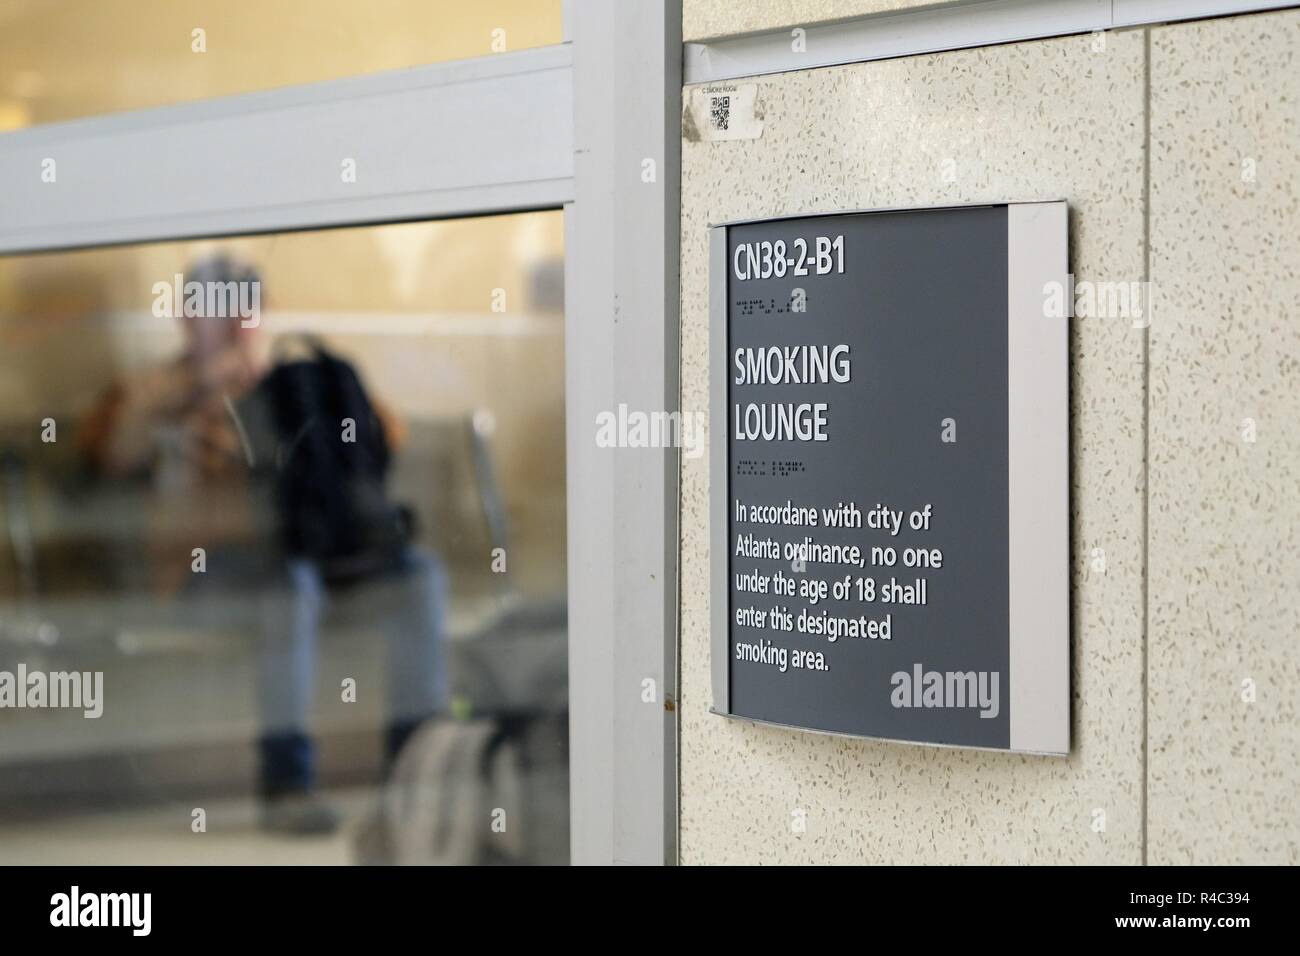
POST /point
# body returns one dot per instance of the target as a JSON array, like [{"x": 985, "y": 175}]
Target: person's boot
[
  {"x": 396, "y": 736},
  {"x": 302, "y": 813},
  {"x": 290, "y": 801}
]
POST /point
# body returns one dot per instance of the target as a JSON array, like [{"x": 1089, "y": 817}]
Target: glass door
[
  {"x": 192, "y": 525},
  {"x": 282, "y": 574}
]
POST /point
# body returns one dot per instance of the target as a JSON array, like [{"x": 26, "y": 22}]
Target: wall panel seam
[{"x": 1146, "y": 437}]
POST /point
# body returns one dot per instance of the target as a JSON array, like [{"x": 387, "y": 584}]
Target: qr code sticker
[{"x": 720, "y": 112}]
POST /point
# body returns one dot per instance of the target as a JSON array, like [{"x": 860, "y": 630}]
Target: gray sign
[{"x": 890, "y": 468}]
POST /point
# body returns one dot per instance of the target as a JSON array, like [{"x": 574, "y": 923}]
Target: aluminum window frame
[
  {"x": 548, "y": 128},
  {"x": 936, "y": 27}
]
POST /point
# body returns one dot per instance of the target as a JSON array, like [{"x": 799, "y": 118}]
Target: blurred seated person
[{"x": 276, "y": 465}]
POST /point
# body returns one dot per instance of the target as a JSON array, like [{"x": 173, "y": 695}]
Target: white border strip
[
  {"x": 1038, "y": 481},
  {"x": 935, "y": 28},
  {"x": 472, "y": 137},
  {"x": 394, "y": 324}
]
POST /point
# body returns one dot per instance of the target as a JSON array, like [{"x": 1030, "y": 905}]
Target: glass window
[
  {"x": 66, "y": 59},
  {"x": 282, "y": 548}
]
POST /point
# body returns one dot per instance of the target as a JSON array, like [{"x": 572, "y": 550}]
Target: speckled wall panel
[
  {"x": 702, "y": 19},
  {"x": 1225, "y": 509},
  {"x": 1057, "y": 119}
]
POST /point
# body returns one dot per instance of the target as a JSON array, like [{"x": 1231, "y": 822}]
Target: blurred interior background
[{"x": 455, "y": 327}]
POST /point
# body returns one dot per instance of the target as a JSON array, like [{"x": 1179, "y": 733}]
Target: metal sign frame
[{"x": 1038, "y": 470}]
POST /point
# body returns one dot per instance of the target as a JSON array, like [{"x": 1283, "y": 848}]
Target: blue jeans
[{"x": 407, "y": 605}]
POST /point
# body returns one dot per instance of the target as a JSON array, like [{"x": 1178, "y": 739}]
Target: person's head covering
[{"x": 221, "y": 268}]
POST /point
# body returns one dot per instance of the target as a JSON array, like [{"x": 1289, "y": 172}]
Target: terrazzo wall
[
  {"x": 1224, "y": 639},
  {"x": 1167, "y": 763},
  {"x": 707, "y": 18}
]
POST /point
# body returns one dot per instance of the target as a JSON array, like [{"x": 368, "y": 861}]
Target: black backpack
[{"x": 331, "y": 468}]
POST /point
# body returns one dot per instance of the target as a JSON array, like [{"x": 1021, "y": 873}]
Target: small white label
[{"x": 722, "y": 111}]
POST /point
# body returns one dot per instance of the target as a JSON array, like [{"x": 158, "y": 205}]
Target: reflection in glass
[
  {"x": 299, "y": 501},
  {"x": 69, "y": 59}
]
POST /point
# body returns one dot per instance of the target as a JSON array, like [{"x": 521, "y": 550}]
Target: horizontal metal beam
[
  {"x": 935, "y": 28},
  {"x": 471, "y": 137}
]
